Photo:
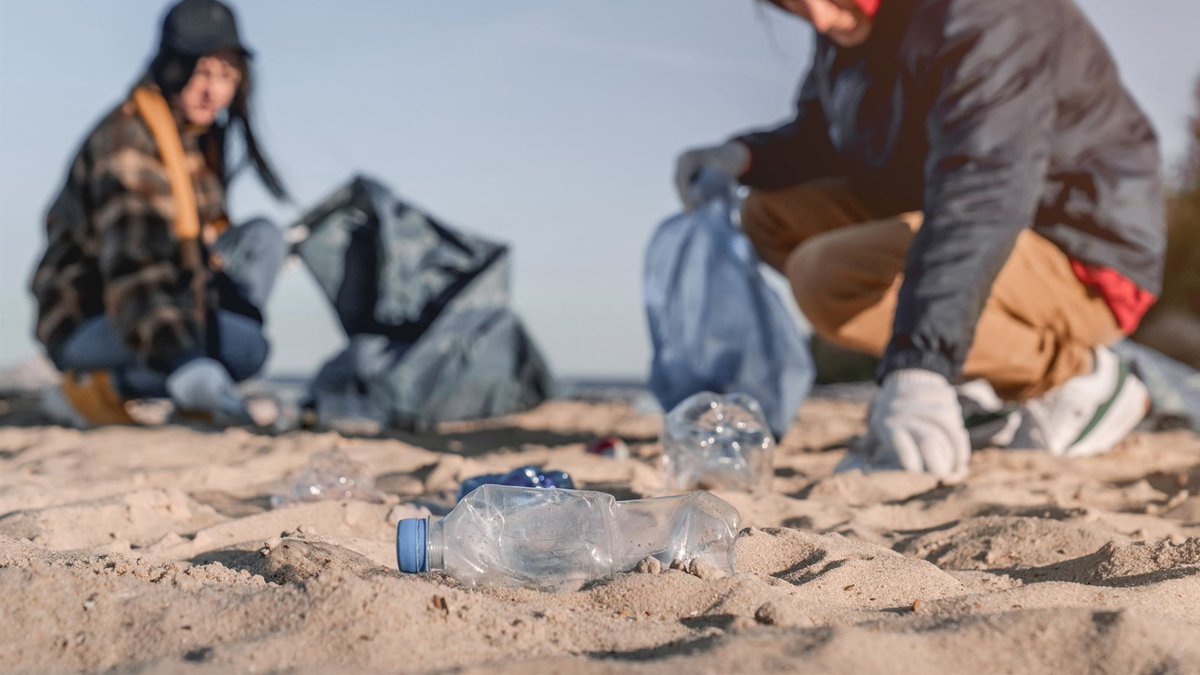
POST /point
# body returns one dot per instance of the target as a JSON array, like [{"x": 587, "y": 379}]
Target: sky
[{"x": 549, "y": 124}]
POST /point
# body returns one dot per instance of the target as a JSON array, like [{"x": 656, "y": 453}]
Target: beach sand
[{"x": 156, "y": 549}]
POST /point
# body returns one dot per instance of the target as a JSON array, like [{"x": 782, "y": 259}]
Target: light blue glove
[
  {"x": 915, "y": 424},
  {"x": 728, "y": 159},
  {"x": 203, "y": 385}
]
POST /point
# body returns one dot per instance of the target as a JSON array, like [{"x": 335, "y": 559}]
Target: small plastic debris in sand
[
  {"x": 329, "y": 475},
  {"x": 610, "y": 447},
  {"x": 526, "y": 476},
  {"x": 715, "y": 441}
]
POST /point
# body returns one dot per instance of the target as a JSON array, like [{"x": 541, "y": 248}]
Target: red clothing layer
[{"x": 1127, "y": 302}]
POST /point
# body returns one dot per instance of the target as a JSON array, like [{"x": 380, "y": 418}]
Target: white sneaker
[
  {"x": 990, "y": 422},
  {"x": 1090, "y": 414}
]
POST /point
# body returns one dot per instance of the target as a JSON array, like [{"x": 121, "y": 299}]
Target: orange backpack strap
[{"x": 157, "y": 115}]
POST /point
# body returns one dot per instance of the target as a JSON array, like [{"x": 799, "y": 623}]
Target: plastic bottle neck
[{"x": 435, "y": 544}]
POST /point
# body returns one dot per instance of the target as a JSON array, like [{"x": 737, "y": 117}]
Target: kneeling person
[
  {"x": 144, "y": 290},
  {"x": 968, "y": 191}
]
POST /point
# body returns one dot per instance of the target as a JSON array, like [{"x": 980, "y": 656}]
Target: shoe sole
[{"x": 1127, "y": 409}]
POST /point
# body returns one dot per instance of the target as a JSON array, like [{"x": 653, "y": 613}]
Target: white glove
[
  {"x": 203, "y": 385},
  {"x": 916, "y": 424},
  {"x": 728, "y": 159}
]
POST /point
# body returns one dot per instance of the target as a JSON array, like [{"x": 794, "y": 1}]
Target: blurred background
[{"x": 549, "y": 124}]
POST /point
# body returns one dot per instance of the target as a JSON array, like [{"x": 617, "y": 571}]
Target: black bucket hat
[{"x": 196, "y": 28}]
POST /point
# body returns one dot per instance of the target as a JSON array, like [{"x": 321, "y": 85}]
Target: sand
[{"x": 155, "y": 550}]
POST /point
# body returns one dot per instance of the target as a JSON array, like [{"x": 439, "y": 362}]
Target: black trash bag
[
  {"x": 471, "y": 364},
  {"x": 426, "y": 309},
  {"x": 390, "y": 269}
]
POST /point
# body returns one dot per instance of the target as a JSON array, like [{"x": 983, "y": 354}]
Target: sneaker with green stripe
[{"x": 1090, "y": 414}]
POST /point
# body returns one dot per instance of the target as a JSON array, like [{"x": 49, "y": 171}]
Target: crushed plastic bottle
[
  {"x": 712, "y": 441},
  {"x": 526, "y": 476},
  {"x": 561, "y": 539},
  {"x": 329, "y": 475}
]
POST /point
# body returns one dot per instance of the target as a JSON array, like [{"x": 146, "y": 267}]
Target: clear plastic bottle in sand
[
  {"x": 553, "y": 539},
  {"x": 712, "y": 441},
  {"x": 329, "y": 475}
]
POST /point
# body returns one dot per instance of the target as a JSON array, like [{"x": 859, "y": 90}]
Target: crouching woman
[{"x": 144, "y": 290}]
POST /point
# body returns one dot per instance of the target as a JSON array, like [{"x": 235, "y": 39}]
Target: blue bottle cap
[{"x": 410, "y": 546}]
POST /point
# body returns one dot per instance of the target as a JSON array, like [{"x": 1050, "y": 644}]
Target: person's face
[
  {"x": 211, "y": 88},
  {"x": 840, "y": 22}
]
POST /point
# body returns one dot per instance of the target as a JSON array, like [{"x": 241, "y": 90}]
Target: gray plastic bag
[
  {"x": 471, "y": 364},
  {"x": 390, "y": 269},
  {"x": 715, "y": 324},
  {"x": 431, "y": 338},
  {"x": 1174, "y": 387}
]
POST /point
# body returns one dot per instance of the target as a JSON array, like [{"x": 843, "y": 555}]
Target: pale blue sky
[{"x": 551, "y": 124}]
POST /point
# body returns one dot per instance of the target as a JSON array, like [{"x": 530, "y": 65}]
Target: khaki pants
[{"x": 1038, "y": 326}]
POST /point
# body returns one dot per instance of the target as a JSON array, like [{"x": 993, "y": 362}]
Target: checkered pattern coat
[{"x": 112, "y": 249}]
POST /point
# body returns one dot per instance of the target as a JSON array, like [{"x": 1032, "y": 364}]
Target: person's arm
[
  {"x": 795, "y": 152},
  {"x": 989, "y": 125},
  {"x": 140, "y": 259}
]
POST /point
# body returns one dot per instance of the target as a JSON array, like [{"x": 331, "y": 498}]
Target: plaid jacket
[{"x": 112, "y": 248}]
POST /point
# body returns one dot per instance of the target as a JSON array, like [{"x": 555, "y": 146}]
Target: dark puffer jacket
[{"x": 990, "y": 116}]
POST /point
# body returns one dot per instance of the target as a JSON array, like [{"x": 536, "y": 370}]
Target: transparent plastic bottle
[
  {"x": 526, "y": 476},
  {"x": 329, "y": 475},
  {"x": 712, "y": 441},
  {"x": 561, "y": 539}
]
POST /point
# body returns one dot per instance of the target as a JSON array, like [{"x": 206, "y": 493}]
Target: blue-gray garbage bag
[
  {"x": 1174, "y": 387},
  {"x": 715, "y": 324},
  {"x": 425, "y": 307},
  {"x": 390, "y": 269},
  {"x": 471, "y": 364}
]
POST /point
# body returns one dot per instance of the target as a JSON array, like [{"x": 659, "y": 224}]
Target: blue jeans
[{"x": 252, "y": 255}]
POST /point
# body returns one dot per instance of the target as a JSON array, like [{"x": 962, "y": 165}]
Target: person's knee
[
  {"x": 244, "y": 348},
  {"x": 761, "y": 214},
  {"x": 814, "y": 272},
  {"x": 760, "y": 223},
  {"x": 264, "y": 236},
  {"x": 247, "y": 358}
]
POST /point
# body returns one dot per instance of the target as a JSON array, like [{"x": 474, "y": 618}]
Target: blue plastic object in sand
[{"x": 526, "y": 476}]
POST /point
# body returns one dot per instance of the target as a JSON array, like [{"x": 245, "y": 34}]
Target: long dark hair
[{"x": 171, "y": 72}]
